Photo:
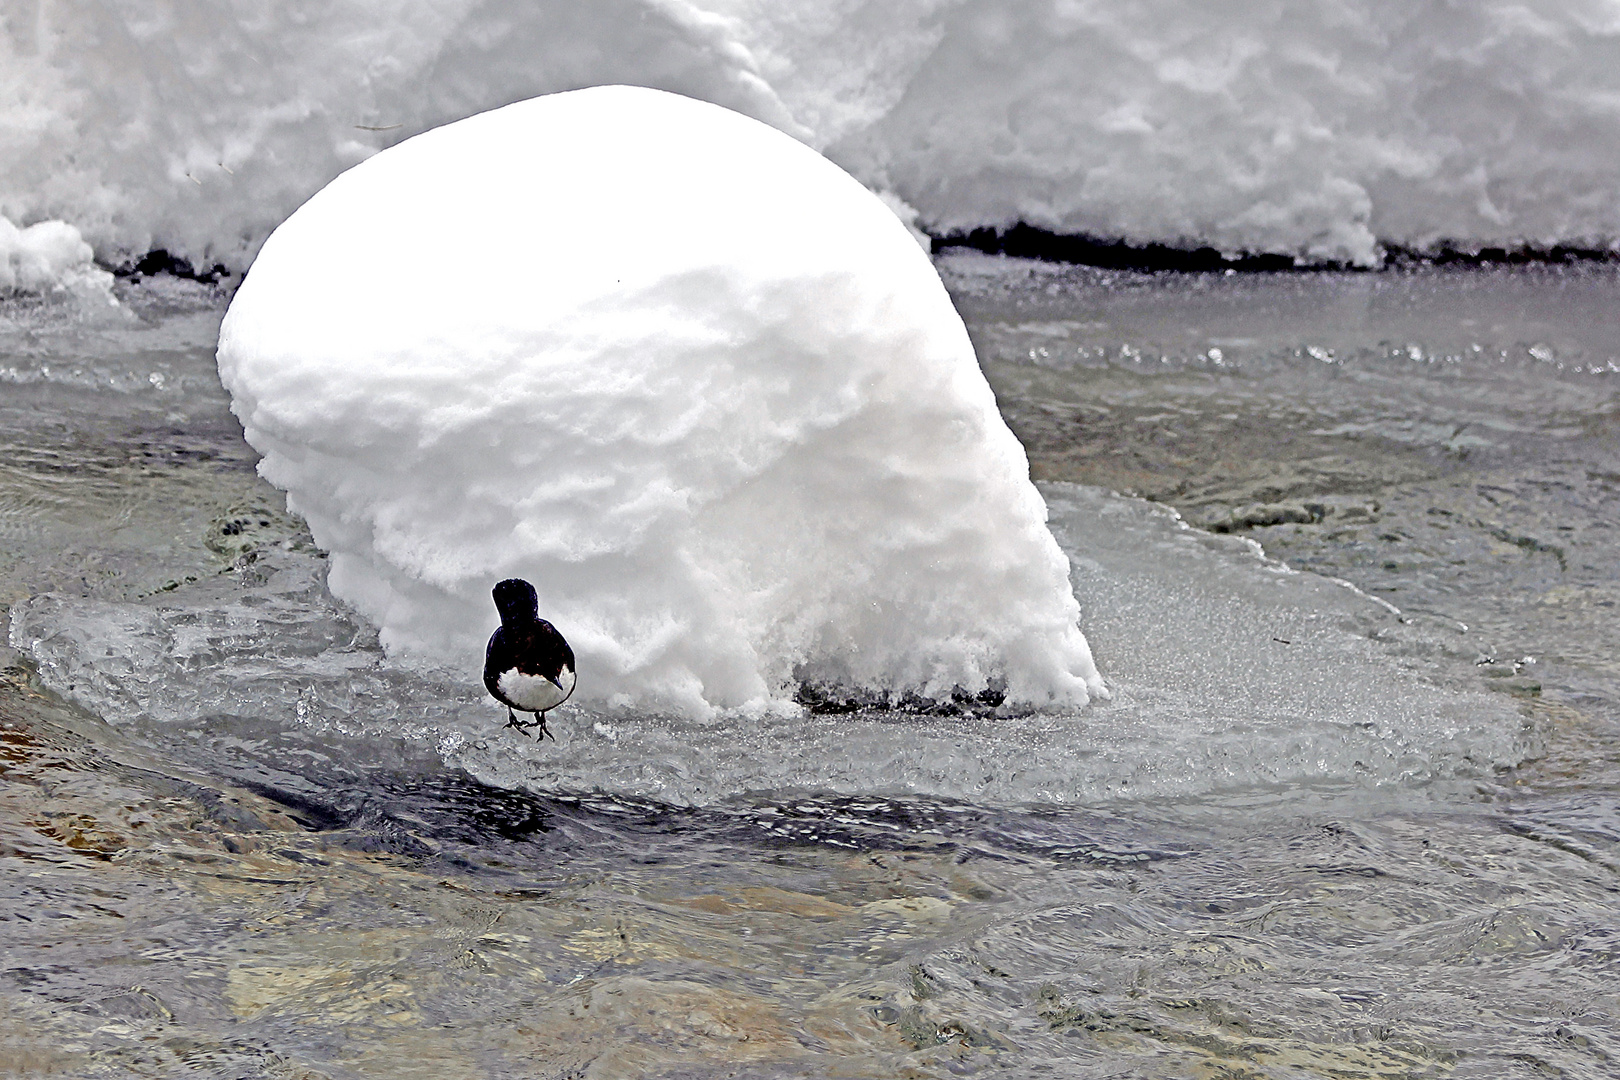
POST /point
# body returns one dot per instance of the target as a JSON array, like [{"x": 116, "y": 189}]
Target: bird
[{"x": 528, "y": 666}]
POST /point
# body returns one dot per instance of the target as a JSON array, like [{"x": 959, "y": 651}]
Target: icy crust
[
  {"x": 1317, "y": 129},
  {"x": 263, "y": 670},
  {"x": 727, "y": 462}
]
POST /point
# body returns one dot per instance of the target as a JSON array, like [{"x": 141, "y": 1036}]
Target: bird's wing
[{"x": 494, "y": 660}]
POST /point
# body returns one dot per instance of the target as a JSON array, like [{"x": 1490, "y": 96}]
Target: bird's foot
[{"x": 539, "y": 722}]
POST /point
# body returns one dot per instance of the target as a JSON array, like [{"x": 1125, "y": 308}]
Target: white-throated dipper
[{"x": 528, "y": 665}]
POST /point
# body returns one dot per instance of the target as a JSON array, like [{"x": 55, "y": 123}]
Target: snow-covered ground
[{"x": 1320, "y": 129}]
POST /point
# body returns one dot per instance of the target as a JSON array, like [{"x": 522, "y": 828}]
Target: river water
[{"x": 1346, "y": 549}]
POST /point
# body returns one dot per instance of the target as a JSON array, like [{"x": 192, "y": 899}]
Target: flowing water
[{"x": 1345, "y": 546}]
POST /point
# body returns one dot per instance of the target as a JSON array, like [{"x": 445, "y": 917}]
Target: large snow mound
[
  {"x": 572, "y": 342},
  {"x": 1320, "y": 128}
]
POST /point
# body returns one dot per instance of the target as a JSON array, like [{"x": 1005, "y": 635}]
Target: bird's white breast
[{"x": 536, "y": 693}]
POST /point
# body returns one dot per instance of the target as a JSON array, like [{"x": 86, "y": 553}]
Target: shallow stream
[{"x": 1346, "y": 549}]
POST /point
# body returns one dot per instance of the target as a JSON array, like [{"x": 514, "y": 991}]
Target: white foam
[{"x": 572, "y": 345}]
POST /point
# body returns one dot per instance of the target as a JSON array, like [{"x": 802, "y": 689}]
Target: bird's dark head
[{"x": 516, "y": 601}]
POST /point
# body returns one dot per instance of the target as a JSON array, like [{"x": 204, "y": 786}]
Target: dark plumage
[{"x": 528, "y": 665}]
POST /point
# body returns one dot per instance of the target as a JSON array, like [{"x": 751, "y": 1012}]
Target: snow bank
[
  {"x": 573, "y": 342},
  {"x": 1319, "y": 129}
]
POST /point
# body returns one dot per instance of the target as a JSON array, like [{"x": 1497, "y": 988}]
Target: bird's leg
[
  {"x": 512, "y": 720},
  {"x": 540, "y": 721}
]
